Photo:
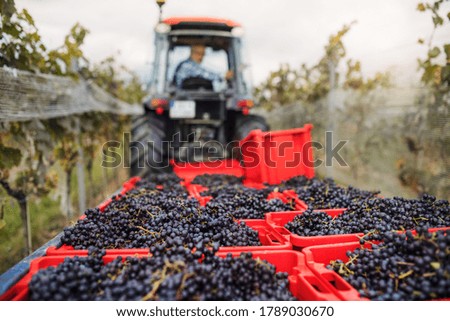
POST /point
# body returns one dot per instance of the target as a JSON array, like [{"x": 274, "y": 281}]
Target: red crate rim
[
  {"x": 303, "y": 282},
  {"x": 258, "y": 132}
]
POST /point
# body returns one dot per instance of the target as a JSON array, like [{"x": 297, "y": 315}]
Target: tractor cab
[
  {"x": 175, "y": 39},
  {"x": 199, "y": 97}
]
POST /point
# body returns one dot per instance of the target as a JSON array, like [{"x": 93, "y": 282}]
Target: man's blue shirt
[{"x": 189, "y": 68}]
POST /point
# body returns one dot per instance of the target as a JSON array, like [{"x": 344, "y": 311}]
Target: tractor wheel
[
  {"x": 147, "y": 150},
  {"x": 245, "y": 124}
]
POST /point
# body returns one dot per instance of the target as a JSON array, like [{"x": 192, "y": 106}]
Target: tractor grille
[{"x": 211, "y": 109}]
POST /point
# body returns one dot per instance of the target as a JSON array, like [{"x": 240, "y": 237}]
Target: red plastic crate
[
  {"x": 67, "y": 250},
  {"x": 279, "y": 219},
  {"x": 270, "y": 239},
  {"x": 194, "y": 190},
  {"x": 285, "y": 196},
  {"x": 303, "y": 284},
  {"x": 289, "y": 196},
  {"x": 188, "y": 171},
  {"x": 318, "y": 257},
  {"x": 17, "y": 292},
  {"x": 274, "y": 156},
  {"x": 268, "y": 236},
  {"x": 130, "y": 184}
]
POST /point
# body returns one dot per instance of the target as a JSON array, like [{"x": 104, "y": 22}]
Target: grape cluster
[
  {"x": 243, "y": 203},
  {"x": 375, "y": 216},
  {"x": 321, "y": 194},
  {"x": 215, "y": 180},
  {"x": 387, "y": 214},
  {"x": 311, "y": 223},
  {"x": 167, "y": 180},
  {"x": 176, "y": 274},
  {"x": 76, "y": 278},
  {"x": 402, "y": 267},
  {"x": 143, "y": 218}
]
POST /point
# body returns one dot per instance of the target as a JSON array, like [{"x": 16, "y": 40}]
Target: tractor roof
[{"x": 201, "y": 23}]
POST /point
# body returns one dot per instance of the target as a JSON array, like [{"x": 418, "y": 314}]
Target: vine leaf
[
  {"x": 433, "y": 53},
  {"x": 28, "y": 17},
  {"x": 447, "y": 51},
  {"x": 10, "y": 157}
]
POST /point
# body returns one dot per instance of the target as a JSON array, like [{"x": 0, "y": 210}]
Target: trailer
[{"x": 310, "y": 263}]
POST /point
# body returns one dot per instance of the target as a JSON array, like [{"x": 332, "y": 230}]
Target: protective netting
[
  {"x": 25, "y": 96},
  {"x": 398, "y": 138}
]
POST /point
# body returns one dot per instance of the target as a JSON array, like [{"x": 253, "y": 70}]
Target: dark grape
[
  {"x": 215, "y": 180},
  {"x": 375, "y": 216},
  {"x": 323, "y": 194},
  {"x": 401, "y": 267},
  {"x": 143, "y": 218},
  {"x": 175, "y": 275},
  {"x": 168, "y": 180},
  {"x": 386, "y": 214},
  {"x": 244, "y": 203},
  {"x": 311, "y": 223}
]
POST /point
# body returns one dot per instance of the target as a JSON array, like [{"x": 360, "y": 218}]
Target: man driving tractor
[{"x": 191, "y": 67}]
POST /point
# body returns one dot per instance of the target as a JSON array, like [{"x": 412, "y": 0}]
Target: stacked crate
[{"x": 303, "y": 258}]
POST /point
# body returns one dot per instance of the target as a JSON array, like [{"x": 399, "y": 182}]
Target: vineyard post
[
  {"x": 331, "y": 101},
  {"x": 80, "y": 171},
  {"x": 21, "y": 199},
  {"x": 25, "y": 215}
]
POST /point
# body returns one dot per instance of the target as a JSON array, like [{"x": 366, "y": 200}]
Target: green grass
[
  {"x": 46, "y": 222},
  {"x": 45, "y": 214}
]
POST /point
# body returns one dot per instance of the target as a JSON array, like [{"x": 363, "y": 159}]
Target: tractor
[{"x": 194, "y": 119}]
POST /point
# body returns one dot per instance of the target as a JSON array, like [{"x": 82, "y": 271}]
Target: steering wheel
[{"x": 193, "y": 83}]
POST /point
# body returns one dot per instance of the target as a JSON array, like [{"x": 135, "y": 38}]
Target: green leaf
[
  {"x": 12, "y": 30},
  {"x": 9, "y": 157},
  {"x": 28, "y": 17},
  {"x": 447, "y": 51},
  {"x": 433, "y": 53},
  {"x": 7, "y": 8},
  {"x": 445, "y": 74},
  {"x": 2, "y": 224},
  {"x": 438, "y": 21}
]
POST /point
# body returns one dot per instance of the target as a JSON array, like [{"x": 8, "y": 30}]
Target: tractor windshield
[
  {"x": 214, "y": 63},
  {"x": 207, "y": 58},
  {"x": 222, "y": 65}
]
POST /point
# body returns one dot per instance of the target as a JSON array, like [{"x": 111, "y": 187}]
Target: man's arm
[{"x": 191, "y": 69}]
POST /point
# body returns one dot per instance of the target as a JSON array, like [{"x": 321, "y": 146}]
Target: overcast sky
[{"x": 277, "y": 31}]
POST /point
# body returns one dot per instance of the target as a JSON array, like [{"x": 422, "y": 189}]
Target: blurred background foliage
[{"x": 397, "y": 138}]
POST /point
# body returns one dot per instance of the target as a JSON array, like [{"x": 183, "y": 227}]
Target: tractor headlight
[{"x": 162, "y": 28}]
